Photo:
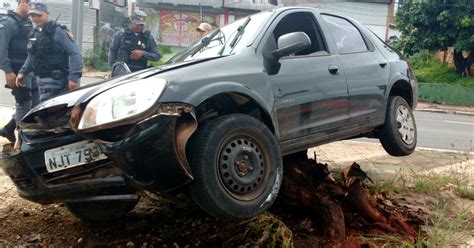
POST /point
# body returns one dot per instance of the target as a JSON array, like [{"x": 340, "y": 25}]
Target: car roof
[
  {"x": 282, "y": 9},
  {"x": 321, "y": 11}
]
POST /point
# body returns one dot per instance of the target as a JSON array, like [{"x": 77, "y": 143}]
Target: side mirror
[
  {"x": 120, "y": 69},
  {"x": 291, "y": 43}
]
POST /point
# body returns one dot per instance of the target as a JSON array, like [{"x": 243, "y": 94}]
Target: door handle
[
  {"x": 333, "y": 69},
  {"x": 382, "y": 63}
]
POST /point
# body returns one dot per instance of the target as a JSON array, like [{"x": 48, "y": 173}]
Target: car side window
[
  {"x": 301, "y": 22},
  {"x": 347, "y": 37}
]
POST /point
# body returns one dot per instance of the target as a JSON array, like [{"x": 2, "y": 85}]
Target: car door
[
  {"x": 310, "y": 89},
  {"x": 366, "y": 70}
]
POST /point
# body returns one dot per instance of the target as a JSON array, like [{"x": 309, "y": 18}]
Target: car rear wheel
[
  {"x": 398, "y": 135},
  {"x": 101, "y": 211},
  {"x": 237, "y": 167}
]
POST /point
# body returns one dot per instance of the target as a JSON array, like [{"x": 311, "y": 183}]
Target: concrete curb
[
  {"x": 442, "y": 111},
  {"x": 441, "y": 150},
  {"x": 445, "y": 150}
]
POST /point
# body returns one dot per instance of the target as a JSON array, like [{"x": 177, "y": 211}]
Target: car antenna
[{"x": 56, "y": 21}]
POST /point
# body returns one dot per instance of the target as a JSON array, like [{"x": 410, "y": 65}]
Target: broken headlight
[{"x": 122, "y": 102}]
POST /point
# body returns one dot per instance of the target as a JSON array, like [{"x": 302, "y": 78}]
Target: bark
[
  {"x": 311, "y": 185},
  {"x": 301, "y": 185},
  {"x": 463, "y": 65}
]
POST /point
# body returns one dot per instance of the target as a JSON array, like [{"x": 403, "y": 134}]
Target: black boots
[{"x": 8, "y": 131}]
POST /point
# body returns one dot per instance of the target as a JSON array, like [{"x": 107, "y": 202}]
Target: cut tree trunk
[
  {"x": 301, "y": 185},
  {"x": 311, "y": 185},
  {"x": 463, "y": 65}
]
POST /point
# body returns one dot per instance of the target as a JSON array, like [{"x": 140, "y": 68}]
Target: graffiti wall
[
  {"x": 178, "y": 28},
  {"x": 8, "y": 4}
]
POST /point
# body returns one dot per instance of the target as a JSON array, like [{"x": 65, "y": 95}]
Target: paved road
[
  {"x": 446, "y": 131},
  {"x": 443, "y": 131},
  {"x": 7, "y": 99},
  {"x": 435, "y": 130}
]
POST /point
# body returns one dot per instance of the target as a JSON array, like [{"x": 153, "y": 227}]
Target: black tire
[
  {"x": 101, "y": 211},
  {"x": 398, "y": 137},
  {"x": 237, "y": 167}
]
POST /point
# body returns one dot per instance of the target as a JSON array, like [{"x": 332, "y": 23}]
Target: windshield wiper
[
  {"x": 192, "y": 50},
  {"x": 240, "y": 32}
]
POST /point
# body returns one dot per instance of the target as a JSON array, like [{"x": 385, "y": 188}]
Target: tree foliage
[{"x": 437, "y": 25}]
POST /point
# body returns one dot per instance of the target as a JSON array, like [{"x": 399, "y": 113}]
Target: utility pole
[
  {"x": 200, "y": 12},
  {"x": 77, "y": 21},
  {"x": 390, "y": 14}
]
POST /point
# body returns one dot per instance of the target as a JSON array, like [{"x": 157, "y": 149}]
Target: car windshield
[{"x": 223, "y": 41}]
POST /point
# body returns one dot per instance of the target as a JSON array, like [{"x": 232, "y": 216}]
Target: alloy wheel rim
[{"x": 406, "y": 125}]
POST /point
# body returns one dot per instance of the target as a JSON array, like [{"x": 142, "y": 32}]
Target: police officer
[
  {"x": 15, "y": 28},
  {"x": 133, "y": 45},
  {"x": 53, "y": 55}
]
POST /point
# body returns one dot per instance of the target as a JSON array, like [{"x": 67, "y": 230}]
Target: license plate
[{"x": 72, "y": 155}]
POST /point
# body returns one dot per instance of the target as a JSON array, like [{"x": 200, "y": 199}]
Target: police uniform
[
  {"x": 14, "y": 36},
  {"x": 53, "y": 56},
  {"x": 125, "y": 41}
]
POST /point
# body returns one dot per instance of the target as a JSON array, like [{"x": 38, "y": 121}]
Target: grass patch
[
  {"x": 397, "y": 183},
  {"x": 265, "y": 230},
  {"x": 95, "y": 60},
  {"x": 3, "y": 242},
  {"x": 393, "y": 241},
  {"x": 465, "y": 192},
  {"x": 430, "y": 183},
  {"x": 445, "y": 229},
  {"x": 428, "y": 69},
  {"x": 424, "y": 183}
]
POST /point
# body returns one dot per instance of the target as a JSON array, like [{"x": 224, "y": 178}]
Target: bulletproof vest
[
  {"x": 49, "y": 57},
  {"x": 129, "y": 42},
  {"x": 17, "y": 47}
]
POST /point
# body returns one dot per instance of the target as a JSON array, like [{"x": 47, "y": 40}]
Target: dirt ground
[
  {"x": 160, "y": 221},
  {"x": 164, "y": 222}
]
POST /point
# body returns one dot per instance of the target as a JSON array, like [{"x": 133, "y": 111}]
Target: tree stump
[{"x": 311, "y": 185}]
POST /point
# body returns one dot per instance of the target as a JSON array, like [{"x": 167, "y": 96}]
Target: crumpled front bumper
[
  {"x": 151, "y": 156},
  {"x": 95, "y": 181}
]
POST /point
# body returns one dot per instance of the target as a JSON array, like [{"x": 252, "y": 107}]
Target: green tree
[{"x": 437, "y": 25}]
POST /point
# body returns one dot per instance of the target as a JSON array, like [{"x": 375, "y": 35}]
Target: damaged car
[{"x": 217, "y": 118}]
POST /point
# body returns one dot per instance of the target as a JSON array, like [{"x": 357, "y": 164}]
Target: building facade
[
  {"x": 174, "y": 22},
  {"x": 377, "y": 15}
]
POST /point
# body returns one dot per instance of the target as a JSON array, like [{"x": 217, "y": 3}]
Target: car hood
[{"x": 84, "y": 94}]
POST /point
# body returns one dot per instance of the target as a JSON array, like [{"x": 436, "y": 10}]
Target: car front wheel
[
  {"x": 398, "y": 135},
  {"x": 237, "y": 167}
]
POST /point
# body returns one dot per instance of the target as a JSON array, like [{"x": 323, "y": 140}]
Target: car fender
[
  {"x": 397, "y": 77},
  {"x": 210, "y": 90}
]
